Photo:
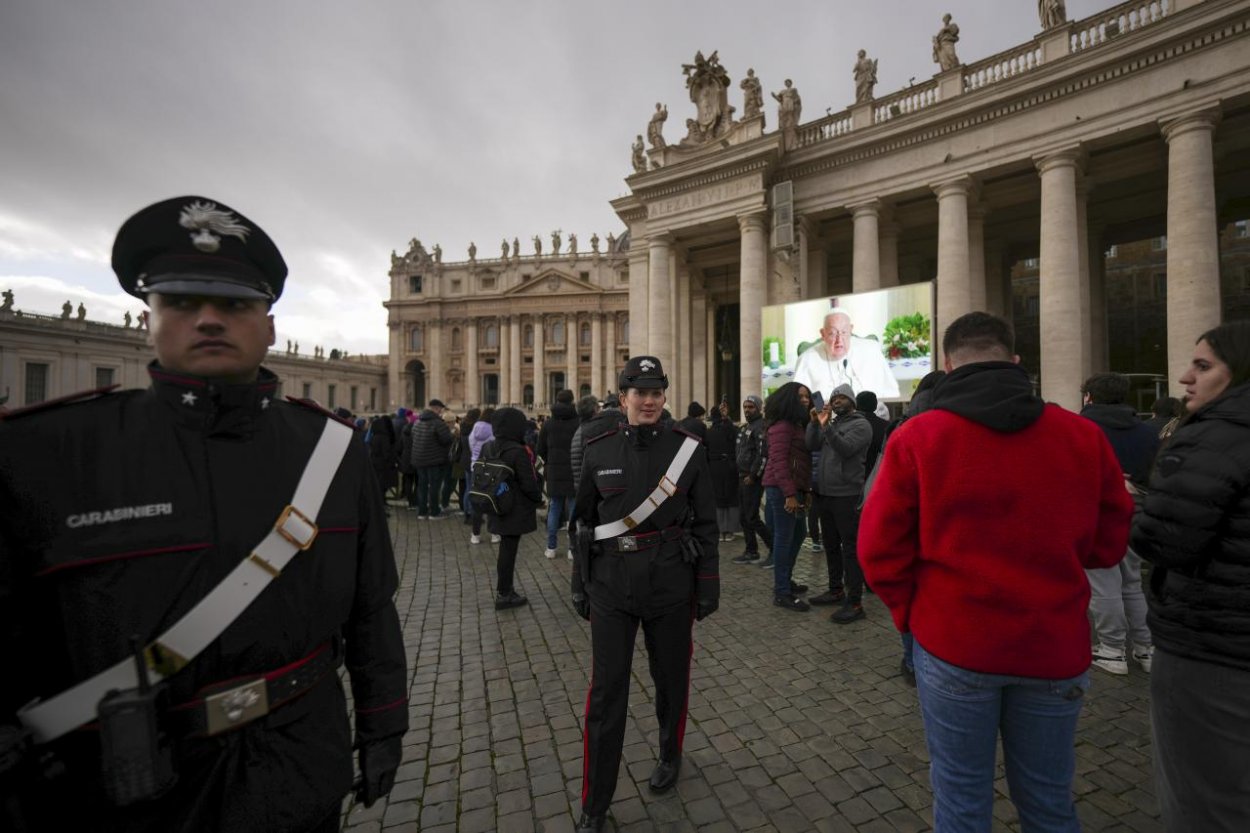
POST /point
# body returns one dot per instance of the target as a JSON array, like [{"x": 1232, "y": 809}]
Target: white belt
[
  {"x": 666, "y": 489},
  {"x": 294, "y": 530}
]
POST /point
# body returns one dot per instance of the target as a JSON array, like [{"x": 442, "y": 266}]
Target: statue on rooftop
[
  {"x": 67, "y": 309},
  {"x": 516, "y": 247},
  {"x": 655, "y": 128},
  {"x": 789, "y": 111},
  {"x": 555, "y": 242},
  {"x": 944, "y": 44},
  {"x": 503, "y": 249},
  {"x": 82, "y": 312},
  {"x": 1052, "y": 13},
  {"x": 126, "y": 319},
  {"x": 438, "y": 253},
  {"x": 594, "y": 242},
  {"x": 639, "y": 157},
  {"x": 472, "y": 251},
  {"x": 708, "y": 84},
  {"x": 538, "y": 245},
  {"x": 8, "y": 301},
  {"x": 572, "y": 243},
  {"x": 752, "y": 96},
  {"x": 865, "y": 74}
]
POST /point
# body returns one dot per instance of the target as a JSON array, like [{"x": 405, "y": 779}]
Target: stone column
[
  {"x": 887, "y": 235},
  {"x": 609, "y": 355},
  {"x": 1193, "y": 266},
  {"x": 1059, "y": 282},
  {"x": 812, "y": 271},
  {"x": 435, "y": 371},
  {"x": 752, "y": 292},
  {"x": 505, "y": 361},
  {"x": 639, "y": 299},
  {"x": 394, "y": 387},
  {"x": 866, "y": 252},
  {"x": 683, "y": 394},
  {"x": 514, "y": 360},
  {"x": 472, "y": 382},
  {"x": 540, "y": 363},
  {"x": 571, "y": 347},
  {"x": 976, "y": 257},
  {"x": 698, "y": 349},
  {"x": 1082, "y": 260},
  {"x": 596, "y": 353},
  {"x": 659, "y": 310},
  {"x": 954, "y": 295}
]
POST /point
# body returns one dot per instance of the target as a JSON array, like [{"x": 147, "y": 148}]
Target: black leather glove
[
  {"x": 705, "y": 607},
  {"x": 582, "y": 605},
  {"x": 378, "y": 762}
]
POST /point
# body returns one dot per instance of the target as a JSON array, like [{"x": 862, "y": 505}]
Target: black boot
[
  {"x": 590, "y": 824},
  {"x": 664, "y": 776},
  {"x": 503, "y": 601}
]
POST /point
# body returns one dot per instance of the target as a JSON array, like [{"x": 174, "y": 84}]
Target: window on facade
[
  {"x": 492, "y": 336},
  {"x": 528, "y": 396},
  {"x": 36, "y": 383},
  {"x": 584, "y": 276},
  {"x": 414, "y": 284},
  {"x": 455, "y": 284},
  {"x": 555, "y": 384},
  {"x": 1031, "y": 262},
  {"x": 490, "y": 389},
  {"x": 455, "y": 339},
  {"x": 488, "y": 283},
  {"x": 557, "y": 332},
  {"x": 307, "y": 390},
  {"x": 1241, "y": 228},
  {"x": 416, "y": 339},
  {"x": 352, "y": 403},
  {"x": 583, "y": 335},
  {"x": 330, "y": 391},
  {"x": 528, "y": 337},
  {"x": 104, "y": 376}
]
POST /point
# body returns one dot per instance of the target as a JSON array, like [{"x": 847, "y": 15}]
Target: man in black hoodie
[
  {"x": 555, "y": 441},
  {"x": 1117, "y": 601}
]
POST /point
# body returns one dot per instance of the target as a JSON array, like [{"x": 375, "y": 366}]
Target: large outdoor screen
[{"x": 879, "y": 341}]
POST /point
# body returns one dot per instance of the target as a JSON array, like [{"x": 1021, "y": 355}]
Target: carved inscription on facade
[{"x": 711, "y": 195}]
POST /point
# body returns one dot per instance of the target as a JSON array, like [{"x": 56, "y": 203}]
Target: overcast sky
[{"x": 345, "y": 129}]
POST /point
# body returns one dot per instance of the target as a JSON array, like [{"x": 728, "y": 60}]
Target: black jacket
[
  {"x": 509, "y": 427},
  {"x": 750, "y": 448},
  {"x": 1133, "y": 441},
  {"x": 599, "y": 424},
  {"x": 430, "y": 440},
  {"x": 555, "y": 443},
  {"x": 221, "y": 462},
  {"x": 1194, "y": 527},
  {"x": 720, "y": 441}
]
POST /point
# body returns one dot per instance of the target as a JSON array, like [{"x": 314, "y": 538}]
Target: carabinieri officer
[
  {"x": 230, "y": 544},
  {"x": 646, "y": 501}
]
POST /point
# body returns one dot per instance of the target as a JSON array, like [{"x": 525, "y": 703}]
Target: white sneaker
[
  {"x": 1144, "y": 657},
  {"x": 549, "y": 552},
  {"x": 475, "y": 539},
  {"x": 570, "y": 555},
  {"x": 1110, "y": 660},
  {"x": 494, "y": 539},
  {"x": 423, "y": 517}
]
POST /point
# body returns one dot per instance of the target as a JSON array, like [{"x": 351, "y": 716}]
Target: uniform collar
[
  {"x": 642, "y": 435},
  {"x": 197, "y": 400}
]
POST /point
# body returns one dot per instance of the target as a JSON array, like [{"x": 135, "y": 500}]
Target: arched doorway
[{"x": 414, "y": 384}]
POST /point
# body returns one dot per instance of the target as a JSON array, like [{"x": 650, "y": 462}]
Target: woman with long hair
[
  {"x": 1194, "y": 528},
  {"x": 787, "y": 486}
]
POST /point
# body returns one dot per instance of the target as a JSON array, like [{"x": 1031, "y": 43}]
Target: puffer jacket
[
  {"x": 600, "y": 423},
  {"x": 554, "y": 446},
  {"x": 430, "y": 440},
  {"x": 1194, "y": 526},
  {"x": 791, "y": 470},
  {"x": 843, "y": 446}
]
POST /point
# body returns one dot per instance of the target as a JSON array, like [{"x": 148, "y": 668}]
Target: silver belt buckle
[
  {"x": 237, "y": 706},
  {"x": 627, "y": 543}
]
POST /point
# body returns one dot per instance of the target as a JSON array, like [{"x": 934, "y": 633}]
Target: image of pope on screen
[{"x": 842, "y": 358}]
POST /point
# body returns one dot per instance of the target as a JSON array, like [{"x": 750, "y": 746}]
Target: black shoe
[
  {"x": 791, "y": 603},
  {"x": 909, "y": 673},
  {"x": 829, "y": 597},
  {"x": 590, "y": 824},
  {"x": 503, "y": 601},
  {"x": 747, "y": 558},
  {"x": 766, "y": 563},
  {"x": 849, "y": 612},
  {"x": 664, "y": 776},
  {"x": 797, "y": 589}
]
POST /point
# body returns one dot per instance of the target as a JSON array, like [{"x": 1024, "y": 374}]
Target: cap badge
[
  {"x": 206, "y": 222},
  {"x": 646, "y": 364}
]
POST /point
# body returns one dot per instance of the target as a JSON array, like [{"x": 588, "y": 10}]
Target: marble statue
[
  {"x": 8, "y": 301},
  {"x": 503, "y": 249},
  {"x": 395, "y": 259},
  {"x": 67, "y": 309},
  {"x": 865, "y": 73},
  {"x": 516, "y": 247},
  {"x": 655, "y": 128},
  {"x": 611, "y": 241},
  {"x": 1052, "y": 13},
  {"x": 708, "y": 83},
  {"x": 415, "y": 250},
  {"x": 789, "y": 111},
  {"x": 639, "y": 158},
  {"x": 572, "y": 243},
  {"x": 752, "y": 96},
  {"x": 555, "y": 242},
  {"x": 82, "y": 312},
  {"x": 288, "y": 347},
  {"x": 295, "y": 352},
  {"x": 944, "y": 44},
  {"x": 538, "y": 245},
  {"x": 594, "y": 242},
  {"x": 143, "y": 320},
  {"x": 126, "y": 319},
  {"x": 438, "y": 253}
]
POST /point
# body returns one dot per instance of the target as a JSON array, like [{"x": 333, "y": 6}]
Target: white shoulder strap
[
  {"x": 666, "y": 489},
  {"x": 294, "y": 530}
]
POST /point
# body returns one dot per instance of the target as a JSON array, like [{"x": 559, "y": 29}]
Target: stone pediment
[{"x": 551, "y": 282}]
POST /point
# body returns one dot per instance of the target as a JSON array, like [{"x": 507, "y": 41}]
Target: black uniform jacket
[
  {"x": 621, "y": 468},
  {"x": 209, "y": 468}
]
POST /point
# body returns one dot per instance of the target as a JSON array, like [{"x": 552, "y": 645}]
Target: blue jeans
[
  {"x": 964, "y": 712},
  {"x": 559, "y": 509},
  {"x": 788, "y": 533}
]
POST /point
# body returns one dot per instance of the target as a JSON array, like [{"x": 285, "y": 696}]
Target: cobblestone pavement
[{"x": 795, "y": 723}]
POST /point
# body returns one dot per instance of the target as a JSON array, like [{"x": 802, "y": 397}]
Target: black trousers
[
  {"x": 669, "y": 646},
  {"x": 749, "y": 497},
  {"x": 505, "y": 565},
  {"x": 839, "y": 523}
]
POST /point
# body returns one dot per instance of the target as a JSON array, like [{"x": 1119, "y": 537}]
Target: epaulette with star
[
  {"x": 313, "y": 405},
  {"x": 677, "y": 429},
  {"x": 60, "y": 401},
  {"x": 607, "y": 433}
]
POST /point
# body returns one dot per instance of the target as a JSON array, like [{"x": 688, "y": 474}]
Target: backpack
[{"x": 489, "y": 489}]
